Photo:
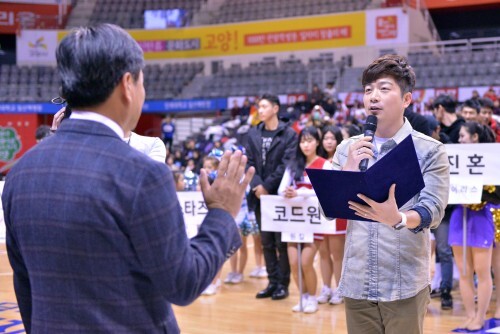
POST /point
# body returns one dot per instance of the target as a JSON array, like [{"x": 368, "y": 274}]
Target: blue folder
[{"x": 335, "y": 188}]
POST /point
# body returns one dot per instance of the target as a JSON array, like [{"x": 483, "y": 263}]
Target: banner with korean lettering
[
  {"x": 296, "y": 215},
  {"x": 194, "y": 209},
  {"x": 42, "y": 15},
  {"x": 150, "y": 106},
  {"x": 387, "y": 26},
  {"x": 471, "y": 166},
  {"x": 302, "y": 33}
]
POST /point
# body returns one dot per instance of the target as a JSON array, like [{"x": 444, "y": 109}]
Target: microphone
[{"x": 370, "y": 128}]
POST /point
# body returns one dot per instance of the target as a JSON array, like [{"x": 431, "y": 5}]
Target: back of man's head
[
  {"x": 447, "y": 102},
  {"x": 393, "y": 66},
  {"x": 92, "y": 60}
]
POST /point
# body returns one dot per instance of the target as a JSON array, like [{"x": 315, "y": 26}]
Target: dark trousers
[
  {"x": 275, "y": 254},
  {"x": 168, "y": 143},
  {"x": 444, "y": 253}
]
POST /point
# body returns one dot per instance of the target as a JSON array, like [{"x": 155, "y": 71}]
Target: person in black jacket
[
  {"x": 271, "y": 144},
  {"x": 417, "y": 121},
  {"x": 444, "y": 111}
]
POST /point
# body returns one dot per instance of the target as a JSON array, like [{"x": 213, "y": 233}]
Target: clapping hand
[{"x": 228, "y": 189}]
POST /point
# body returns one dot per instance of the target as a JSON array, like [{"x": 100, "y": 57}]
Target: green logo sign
[{"x": 9, "y": 143}]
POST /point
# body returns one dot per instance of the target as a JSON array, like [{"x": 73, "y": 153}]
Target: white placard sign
[
  {"x": 299, "y": 214},
  {"x": 465, "y": 190},
  {"x": 302, "y": 238},
  {"x": 478, "y": 161},
  {"x": 194, "y": 209},
  {"x": 471, "y": 167}
]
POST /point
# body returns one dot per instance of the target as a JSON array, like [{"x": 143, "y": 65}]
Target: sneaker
[
  {"x": 262, "y": 273},
  {"x": 336, "y": 299},
  {"x": 237, "y": 278},
  {"x": 255, "y": 272},
  {"x": 210, "y": 290},
  {"x": 311, "y": 305},
  {"x": 446, "y": 300},
  {"x": 325, "y": 295},
  {"x": 296, "y": 308},
  {"x": 435, "y": 293},
  {"x": 229, "y": 278},
  {"x": 218, "y": 283}
]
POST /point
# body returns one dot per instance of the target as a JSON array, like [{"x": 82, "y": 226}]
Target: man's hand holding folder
[
  {"x": 374, "y": 195},
  {"x": 386, "y": 212}
]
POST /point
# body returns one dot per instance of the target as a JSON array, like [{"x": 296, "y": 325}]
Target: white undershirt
[
  {"x": 379, "y": 141},
  {"x": 93, "y": 116}
]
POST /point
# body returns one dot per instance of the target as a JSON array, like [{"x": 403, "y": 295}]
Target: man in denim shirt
[{"x": 385, "y": 276}]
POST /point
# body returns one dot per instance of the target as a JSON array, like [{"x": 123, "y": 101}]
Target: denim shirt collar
[{"x": 402, "y": 133}]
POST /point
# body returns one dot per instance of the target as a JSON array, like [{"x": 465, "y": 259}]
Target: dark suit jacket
[{"x": 96, "y": 237}]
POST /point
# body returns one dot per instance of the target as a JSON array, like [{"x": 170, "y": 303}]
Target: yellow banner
[{"x": 304, "y": 33}]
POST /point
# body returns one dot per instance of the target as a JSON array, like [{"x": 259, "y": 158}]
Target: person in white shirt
[{"x": 153, "y": 147}]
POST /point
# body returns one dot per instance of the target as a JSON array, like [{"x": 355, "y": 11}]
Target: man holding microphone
[{"x": 385, "y": 276}]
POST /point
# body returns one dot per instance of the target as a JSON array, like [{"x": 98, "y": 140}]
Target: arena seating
[
  {"x": 41, "y": 83},
  {"x": 289, "y": 76},
  {"x": 457, "y": 68},
  {"x": 450, "y": 69},
  {"x": 250, "y": 10},
  {"x": 129, "y": 13}
]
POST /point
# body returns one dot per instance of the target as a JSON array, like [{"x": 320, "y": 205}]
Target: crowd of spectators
[{"x": 321, "y": 108}]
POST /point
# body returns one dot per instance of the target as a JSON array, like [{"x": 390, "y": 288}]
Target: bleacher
[
  {"x": 28, "y": 84},
  {"x": 129, "y": 13},
  {"x": 41, "y": 83},
  {"x": 451, "y": 68},
  {"x": 167, "y": 81},
  {"x": 251, "y": 10},
  {"x": 460, "y": 68},
  {"x": 289, "y": 76}
]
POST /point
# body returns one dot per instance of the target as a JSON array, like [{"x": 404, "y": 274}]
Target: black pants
[
  {"x": 168, "y": 144},
  {"x": 444, "y": 253},
  {"x": 275, "y": 254}
]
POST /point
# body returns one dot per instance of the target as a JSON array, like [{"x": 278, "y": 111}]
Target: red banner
[
  {"x": 432, "y": 4},
  {"x": 29, "y": 16}
]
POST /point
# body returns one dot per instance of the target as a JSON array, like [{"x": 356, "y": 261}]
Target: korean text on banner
[
  {"x": 194, "y": 210},
  {"x": 387, "y": 26},
  {"x": 304, "y": 33},
  {"x": 296, "y": 215},
  {"x": 471, "y": 166}
]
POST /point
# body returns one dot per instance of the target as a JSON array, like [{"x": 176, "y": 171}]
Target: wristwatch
[{"x": 402, "y": 223}]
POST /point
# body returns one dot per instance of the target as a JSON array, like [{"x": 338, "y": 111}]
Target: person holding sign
[
  {"x": 385, "y": 275},
  {"x": 94, "y": 231},
  {"x": 296, "y": 183},
  {"x": 270, "y": 146},
  {"x": 480, "y": 236}
]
